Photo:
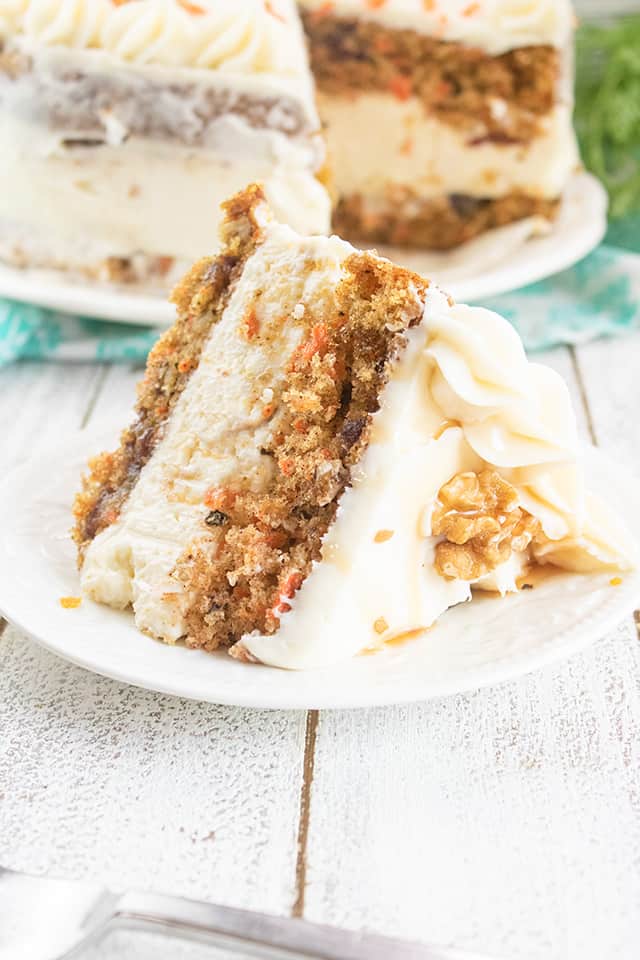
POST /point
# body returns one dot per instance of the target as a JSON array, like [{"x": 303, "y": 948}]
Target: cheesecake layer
[
  {"x": 88, "y": 206},
  {"x": 123, "y": 127},
  {"x": 434, "y": 159}
]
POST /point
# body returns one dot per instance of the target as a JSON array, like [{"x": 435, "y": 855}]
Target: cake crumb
[
  {"x": 70, "y": 603},
  {"x": 383, "y": 535}
]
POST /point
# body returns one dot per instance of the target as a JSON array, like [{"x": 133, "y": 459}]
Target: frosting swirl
[
  {"x": 245, "y": 36},
  {"x": 517, "y": 416},
  {"x": 514, "y": 413}
]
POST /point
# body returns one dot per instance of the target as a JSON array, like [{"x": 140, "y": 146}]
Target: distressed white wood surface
[
  {"x": 103, "y": 780},
  {"x": 506, "y": 821}
]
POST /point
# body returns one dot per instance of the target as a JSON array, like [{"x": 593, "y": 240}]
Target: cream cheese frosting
[
  {"x": 465, "y": 367},
  {"x": 491, "y": 25},
  {"x": 237, "y": 36},
  {"x": 462, "y": 397}
]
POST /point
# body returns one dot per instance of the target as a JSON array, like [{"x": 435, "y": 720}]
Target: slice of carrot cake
[
  {"x": 124, "y": 125},
  {"x": 444, "y": 118},
  {"x": 327, "y": 453}
]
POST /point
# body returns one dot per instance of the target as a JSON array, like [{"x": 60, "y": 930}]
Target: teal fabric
[{"x": 598, "y": 297}]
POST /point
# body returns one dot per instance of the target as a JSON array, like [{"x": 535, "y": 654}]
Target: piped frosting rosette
[
  {"x": 517, "y": 417},
  {"x": 245, "y": 36}
]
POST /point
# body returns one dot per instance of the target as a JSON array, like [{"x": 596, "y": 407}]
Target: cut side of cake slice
[
  {"x": 124, "y": 126},
  {"x": 327, "y": 454},
  {"x": 444, "y": 118}
]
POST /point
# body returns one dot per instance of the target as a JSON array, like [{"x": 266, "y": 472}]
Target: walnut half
[{"x": 479, "y": 516}]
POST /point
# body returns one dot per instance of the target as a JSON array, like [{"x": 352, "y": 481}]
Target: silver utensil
[{"x": 46, "y": 919}]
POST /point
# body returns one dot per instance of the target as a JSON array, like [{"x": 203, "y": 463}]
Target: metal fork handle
[{"x": 271, "y": 938}]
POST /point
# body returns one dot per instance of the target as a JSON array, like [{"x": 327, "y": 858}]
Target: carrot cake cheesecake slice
[
  {"x": 124, "y": 125},
  {"x": 444, "y": 118},
  {"x": 328, "y": 453}
]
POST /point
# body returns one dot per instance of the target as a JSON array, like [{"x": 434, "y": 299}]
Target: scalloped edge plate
[
  {"x": 477, "y": 644},
  {"x": 497, "y": 262}
]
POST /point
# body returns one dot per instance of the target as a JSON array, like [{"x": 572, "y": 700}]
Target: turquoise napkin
[{"x": 598, "y": 297}]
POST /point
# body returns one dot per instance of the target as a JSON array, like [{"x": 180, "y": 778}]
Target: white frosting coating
[
  {"x": 492, "y": 25},
  {"x": 467, "y": 365},
  {"x": 462, "y": 397},
  {"x": 80, "y": 205},
  {"x": 244, "y": 36}
]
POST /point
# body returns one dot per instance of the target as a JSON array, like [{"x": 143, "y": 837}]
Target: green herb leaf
[{"x": 608, "y": 109}]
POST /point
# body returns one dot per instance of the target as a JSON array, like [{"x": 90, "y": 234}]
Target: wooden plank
[
  {"x": 40, "y": 404},
  {"x": 505, "y": 820},
  {"x": 610, "y": 370},
  {"x": 101, "y": 780}
]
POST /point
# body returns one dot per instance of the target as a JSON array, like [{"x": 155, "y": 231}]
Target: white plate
[
  {"x": 495, "y": 263},
  {"x": 474, "y": 645}
]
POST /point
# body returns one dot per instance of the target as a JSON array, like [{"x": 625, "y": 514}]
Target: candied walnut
[{"x": 479, "y": 516}]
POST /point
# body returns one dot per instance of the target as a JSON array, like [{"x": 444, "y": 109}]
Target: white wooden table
[{"x": 505, "y": 821}]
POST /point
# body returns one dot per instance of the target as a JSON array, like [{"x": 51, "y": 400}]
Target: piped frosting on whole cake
[{"x": 328, "y": 454}]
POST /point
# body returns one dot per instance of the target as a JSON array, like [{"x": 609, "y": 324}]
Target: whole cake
[
  {"x": 444, "y": 118},
  {"x": 125, "y": 123},
  {"x": 327, "y": 454}
]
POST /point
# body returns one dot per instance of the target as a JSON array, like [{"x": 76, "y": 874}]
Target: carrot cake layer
[
  {"x": 459, "y": 85},
  {"x": 424, "y": 102},
  {"x": 341, "y": 453},
  {"x": 123, "y": 127},
  {"x": 442, "y": 223}
]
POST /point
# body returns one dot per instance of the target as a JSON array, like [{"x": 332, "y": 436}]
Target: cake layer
[
  {"x": 494, "y": 26},
  {"x": 86, "y": 207},
  {"x": 421, "y": 151},
  {"x": 405, "y": 219},
  {"x": 90, "y": 94},
  {"x": 463, "y": 87}
]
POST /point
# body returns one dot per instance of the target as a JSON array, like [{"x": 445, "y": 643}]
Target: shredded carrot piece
[
  {"x": 406, "y": 147},
  {"x": 286, "y": 467},
  {"x": 220, "y": 498},
  {"x": 251, "y": 324},
  {"x": 292, "y": 583},
  {"x": 400, "y": 86},
  {"x": 323, "y": 10}
]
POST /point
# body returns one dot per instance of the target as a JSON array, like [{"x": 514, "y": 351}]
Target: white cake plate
[
  {"x": 495, "y": 263},
  {"x": 477, "y": 644}
]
